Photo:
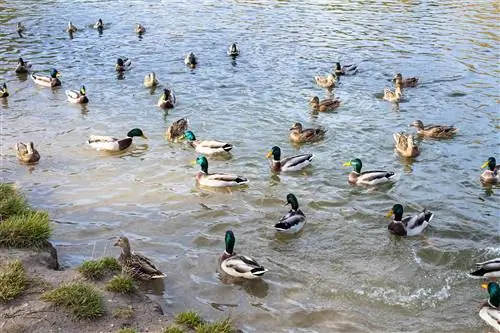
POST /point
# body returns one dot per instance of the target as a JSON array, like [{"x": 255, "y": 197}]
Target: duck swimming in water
[
  {"x": 191, "y": 61},
  {"x": 374, "y": 177},
  {"x": 294, "y": 220},
  {"x": 409, "y": 225},
  {"x": 47, "y": 81}
]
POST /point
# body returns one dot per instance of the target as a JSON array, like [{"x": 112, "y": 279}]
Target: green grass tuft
[
  {"x": 221, "y": 326},
  {"x": 29, "y": 229},
  {"x": 11, "y": 202},
  {"x": 96, "y": 269},
  {"x": 12, "y": 280},
  {"x": 120, "y": 284},
  {"x": 173, "y": 329},
  {"x": 83, "y": 300},
  {"x": 124, "y": 313},
  {"x": 189, "y": 318},
  {"x": 126, "y": 330}
]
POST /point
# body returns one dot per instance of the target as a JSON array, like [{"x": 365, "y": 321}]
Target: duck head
[{"x": 355, "y": 163}]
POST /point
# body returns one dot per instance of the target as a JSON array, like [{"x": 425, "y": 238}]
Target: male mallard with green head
[
  {"x": 492, "y": 174},
  {"x": 303, "y": 135},
  {"x": 109, "y": 143},
  {"x": 3, "y": 91},
  {"x": 490, "y": 311},
  {"x": 294, "y": 220},
  {"x": 325, "y": 105},
  {"x": 239, "y": 266},
  {"x": 22, "y": 66},
  {"x": 374, "y": 177},
  {"x": 216, "y": 179},
  {"x": 123, "y": 64},
  {"x": 288, "y": 164},
  {"x": 346, "y": 69},
  {"x": 405, "y": 145},
  {"x": 409, "y": 82},
  {"x": 409, "y": 225},
  {"x": 136, "y": 265},
  {"x": 434, "y": 131},
  {"x": 207, "y": 147},
  {"x": 47, "y": 81},
  {"x": 167, "y": 99},
  {"x": 487, "y": 269},
  {"x": 176, "y": 131},
  {"x": 26, "y": 152},
  {"x": 77, "y": 96}
]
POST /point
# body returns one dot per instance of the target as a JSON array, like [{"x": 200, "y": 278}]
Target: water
[{"x": 343, "y": 273}]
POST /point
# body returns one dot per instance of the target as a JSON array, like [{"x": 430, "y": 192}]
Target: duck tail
[
  {"x": 258, "y": 271},
  {"x": 159, "y": 276}
]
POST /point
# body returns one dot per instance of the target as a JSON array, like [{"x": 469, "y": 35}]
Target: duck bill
[
  {"x": 485, "y": 164},
  {"x": 346, "y": 164},
  {"x": 144, "y": 137},
  {"x": 484, "y": 286},
  {"x": 269, "y": 155},
  {"x": 390, "y": 213}
]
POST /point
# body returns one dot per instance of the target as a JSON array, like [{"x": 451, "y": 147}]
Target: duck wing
[
  {"x": 177, "y": 129},
  {"x": 243, "y": 264},
  {"x": 374, "y": 175},
  {"x": 296, "y": 162},
  {"x": 214, "y": 144},
  {"x": 487, "y": 267},
  {"x": 225, "y": 177},
  {"x": 417, "y": 223},
  {"x": 291, "y": 219},
  {"x": 101, "y": 138}
]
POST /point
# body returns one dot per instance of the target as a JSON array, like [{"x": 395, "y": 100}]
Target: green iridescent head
[
  {"x": 397, "y": 211},
  {"x": 189, "y": 135},
  {"x": 229, "y": 240},
  {"x": 136, "y": 132},
  {"x": 491, "y": 163},
  {"x": 275, "y": 152},
  {"x": 203, "y": 162},
  {"x": 494, "y": 292},
  {"x": 54, "y": 73},
  {"x": 291, "y": 199},
  {"x": 355, "y": 163}
]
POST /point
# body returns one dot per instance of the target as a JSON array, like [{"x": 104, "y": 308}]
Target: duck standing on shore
[{"x": 136, "y": 265}]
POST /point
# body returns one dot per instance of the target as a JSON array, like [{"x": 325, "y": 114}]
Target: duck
[
  {"x": 287, "y": 164},
  {"x": 374, "y": 177},
  {"x": 150, "y": 80},
  {"x": 405, "y": 145},
  {"x": 325, "y": 105},
  {"x": 109, "y": 143},
  {"x": 492, "y": 175},
  {"x": 487, "y": 269},
  {"x": 490, "y": 311},
  {"x": 20, "y": 28},
  {"x": 327, "y": 82},
  {"x": 176, "y": 130},
  {"x": 294, "y": 220},
  {"x": 239, "y": 266},
  {"x": 409, "y": 225},
  {"x": 3, "y": 91},
  {"x": 394, "y": 96},
  {"x": 139, "y": 29},
  {"x": 26, "y": 152},
  {"x": 47, "y": 81},
  {"x": 303, "y": 135},
  {"x": 77, "y": 96},
  {"x": 22, "y": 66},
  {"x": 207, "y": 147},
  {"x": 217, "y": 179},
  {"x": 71, "y": 28},
  {"x": 167, "y": 99},
  {"x": 434, "y": 131},
  {"x": 135, "y": 264},
  {"x": 346, "y": 69},
  {"x": 99, "y": 25},
  {"x": 191, "y": 61},
  {"x": 233, "y": 50},
  {"x": 409, "y": 82},
  {"x": 123, "y": 64}
]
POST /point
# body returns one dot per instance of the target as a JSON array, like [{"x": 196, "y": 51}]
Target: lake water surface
[{"x": 344, "y": 272}]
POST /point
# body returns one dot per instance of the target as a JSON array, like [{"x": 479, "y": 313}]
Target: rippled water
[{"x": 343, "y": 273}]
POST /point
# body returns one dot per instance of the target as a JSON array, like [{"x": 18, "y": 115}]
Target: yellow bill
[
  {"x": 348, "y": 163},
  {"x": 144, "y": 137},
  {"x": 390, "y": 213},
  {"x": 484, "y": 286},
  {"x": 269, "y": 154},
  {"x": 485, "y": 164}
]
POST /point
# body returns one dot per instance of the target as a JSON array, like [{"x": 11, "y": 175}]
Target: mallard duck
[
  {"x": 207, "y": 147},
  {"x": 176, "y": 130},
  {"x": 233, "y": 50},
  {"x": 26, "y": 152},
  {"x": 368, "y": 177},
  {"x": 109, "y": 143},
  {"x": 77, "y": 97},
  {"x": 71, "y": 28},
  {"x": 22, "y": 66},
  {"x": 405, "y": 144},
  {"x": 408, "y": 225},
  {"x": 409, "y": 82},
  {"x": 167, "y": 99},
  {"x": 191, "y": 60},
  {"x": 490, "y": 311},
  {"x": 492, "y": 175},
  {"x": 216, "y": 179},
  {"x": 325, "y": 105},
  {"x": 294, "y": 220},
  {"x": 20, "y": 27},
  {"x": 136, "y": 265},
  {"x": 3, "y": 91},
  {"x": 302, "y": 135},
  {"x": 123, "y": 64},
  {"x": 327, "y": 82},
  {"x": 150, "y": 80},
  {"x": 99, "y": 25},
  {"x": 292, "y": 163},
  {"x": 346, "y": 69},
  {"x": 139, "y": 29},
  {"x": 238, "y": 265},
  {"x": 434, "y": 131},
  {"x": 487, "y": 269},
  {"x": 394, "y": 96},
  {"x": 47, "y": 81}
]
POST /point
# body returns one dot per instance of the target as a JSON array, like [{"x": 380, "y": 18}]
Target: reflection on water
[{"x": 343, "y": 272}]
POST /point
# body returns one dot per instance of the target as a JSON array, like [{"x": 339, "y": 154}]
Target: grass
[
  {"x": 120, "y": 284},
  {"x": 30, "y": 229},
  {"x": 126, "y": 330},
  {"x": 124, "y": 313},
  {"x": 96, "y": 269},
  {"x": 173, "y": 329},
  {"x": 189, "y": 318},
  {"x": 11, "y": 202},
  {"x": 12, "y": 280},
  {"x": 221, "y": 326},
  {"x": 83, "y": 300}
]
